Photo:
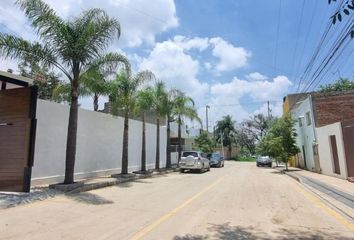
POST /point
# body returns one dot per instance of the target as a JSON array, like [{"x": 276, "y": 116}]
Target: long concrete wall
[
  {"x": 99, "y": 143},
  {"x": 325, "y": 150}
]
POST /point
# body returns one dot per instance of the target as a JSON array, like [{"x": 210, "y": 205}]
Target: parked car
[
  {"x": 194, "y": 160},
  {"x": 264, "y": 161},
  {"x": 216, "y": 160}
]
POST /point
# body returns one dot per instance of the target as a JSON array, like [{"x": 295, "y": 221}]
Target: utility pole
[
  {"x": 206, "y": 115},
  {"x": 268, "y": 110}
]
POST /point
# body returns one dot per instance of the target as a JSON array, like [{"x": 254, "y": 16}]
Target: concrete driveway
[{"x": 239, "y": 201}]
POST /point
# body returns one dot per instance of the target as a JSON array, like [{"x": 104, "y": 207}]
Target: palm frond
[
  {"x": 109, "y": 63},
  {"x": 12, "y": 47},
  {"x": 96, "y": 29}
]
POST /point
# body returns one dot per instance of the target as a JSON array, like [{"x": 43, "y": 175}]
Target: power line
[
  {"x": 298, "y": 35},
  {"x": 277, "y": 37}
]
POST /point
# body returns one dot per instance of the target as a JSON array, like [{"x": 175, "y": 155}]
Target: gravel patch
[{"x": 12, "y": 199}]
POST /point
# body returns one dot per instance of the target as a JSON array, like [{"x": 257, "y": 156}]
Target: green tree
[
  {"x": 342, "y": 84},
  {"x": 123, "y": 97},
  {"x": 204, "y": 142},
  {"x": 73, "y": 46},
  {"x": 280, "y": 142},
  {"x": 183, "y": 108},
  {"x": 44, "y": 79},
  {"x": 225, "y": 132}
]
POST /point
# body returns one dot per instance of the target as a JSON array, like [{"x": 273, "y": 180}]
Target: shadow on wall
[
  {"x": 228, "y": 232},
  {"x": 89, "y": 198}
]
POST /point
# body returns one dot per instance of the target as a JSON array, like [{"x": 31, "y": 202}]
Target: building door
[
  {"x": 348, "y": 139},
  {"x": 334, "y": 154},
  {"x": 17, "y": 136}
]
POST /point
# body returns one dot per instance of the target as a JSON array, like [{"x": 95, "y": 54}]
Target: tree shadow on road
[
  {"x": 228, "y": 232},
  {"x": 89, "y": 198}
]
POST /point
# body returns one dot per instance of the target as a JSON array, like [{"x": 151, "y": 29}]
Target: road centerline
[{"x": 140, "y": 234}]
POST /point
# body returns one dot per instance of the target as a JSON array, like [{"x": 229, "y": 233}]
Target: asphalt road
[{"x": 239, "y": 201}]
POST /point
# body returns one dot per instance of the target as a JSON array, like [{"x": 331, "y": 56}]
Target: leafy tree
[
  {"x": 342, "y": 84},
  {"x": 124, "y": 96},
  {"x": 246, "y": 140},
  {"x": 204, "y": 142},
  {"x": 256, "y": 126},
  {"x": 183, "y": 108},
  {"x": 225, "y": 131},
  {"x": 44, "y": 79},
  {"x": 73, "y": 46},
  {"x": 280, "y": 143}
]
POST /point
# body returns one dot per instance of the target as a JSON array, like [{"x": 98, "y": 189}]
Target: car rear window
[{"x": 186, "y": 154}]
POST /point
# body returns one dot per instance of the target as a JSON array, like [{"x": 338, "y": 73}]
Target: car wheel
[
  {"x": 257, "y": 165},
  {"x": 208, "y": 169},
  {"x": 181, "y": 170}
]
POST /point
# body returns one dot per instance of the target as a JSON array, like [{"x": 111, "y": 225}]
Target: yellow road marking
[
  {"x": 327, "y": 209},
  {"x": 162, "y": 219}
]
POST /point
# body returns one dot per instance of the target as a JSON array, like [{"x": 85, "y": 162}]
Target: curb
[{"x": 117, "y": 181}]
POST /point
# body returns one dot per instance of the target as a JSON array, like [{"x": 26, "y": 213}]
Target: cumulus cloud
[
  {"x": 230, "y": 57},
  {"x": 140, "y": 20},
  {"x": 172, "y": 64},
  {"x": 256, "y": 76}
]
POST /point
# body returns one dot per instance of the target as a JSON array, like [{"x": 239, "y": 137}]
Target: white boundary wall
[
  {"x": 99, "y": 143},
  {"x": 325, "y": 150}
]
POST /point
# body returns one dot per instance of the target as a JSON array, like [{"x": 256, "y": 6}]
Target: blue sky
[{"x": 233, "y": 55}]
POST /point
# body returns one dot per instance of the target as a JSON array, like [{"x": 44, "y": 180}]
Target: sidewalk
[
  {"x": 336, "y": 192},
  {"x": 40, "y": 193}
]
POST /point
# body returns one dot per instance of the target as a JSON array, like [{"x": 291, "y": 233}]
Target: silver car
[{"x": 194, "y": 160}]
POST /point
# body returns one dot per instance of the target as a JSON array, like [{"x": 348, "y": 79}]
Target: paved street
[{"x": 239, "y": 201}]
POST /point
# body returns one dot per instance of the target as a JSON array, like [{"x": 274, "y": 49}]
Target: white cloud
[
  {"x": 256, "y": 76},
  {"x": 230, "y": 57},
  {"x": 225, "y": 97},
  {"x": 172, "y": 64},
  {"x": 191, "y": 43},
  {"x": 140, "y": 20}
]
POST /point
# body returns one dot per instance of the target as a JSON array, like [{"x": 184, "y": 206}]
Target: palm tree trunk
[
  {"x": 95, "y": 102},
  {"x": 125, "y": 144},
  {"x": 179, "y": 138},
  {"x": 168, "y": 147},
  {"x": 230, "y": 149},
  {"x": 157, "y": 163},
  {"x": 72, "y": 133},
  {"x": 143, "y": 147}
]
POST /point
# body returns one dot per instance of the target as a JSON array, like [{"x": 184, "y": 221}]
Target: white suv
[{"x": 194, "y": 160}]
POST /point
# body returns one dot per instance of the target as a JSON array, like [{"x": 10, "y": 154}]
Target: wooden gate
[{"x": 17, "y": 137}]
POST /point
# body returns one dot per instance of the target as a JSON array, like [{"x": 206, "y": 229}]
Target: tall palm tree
[
  {"x": 225, "y": 132},
  {"x": 124, "y": 98},
  {"x": 73, "y": 46},
  {"x": 159, "y": 94},
  {"x": 144, "y": 104},
  {"x": 184, "y": 108}
]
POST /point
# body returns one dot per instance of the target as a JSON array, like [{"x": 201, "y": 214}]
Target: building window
[
  {"x": 300, "y": 122},
  {"x": 308, "y": 119}
]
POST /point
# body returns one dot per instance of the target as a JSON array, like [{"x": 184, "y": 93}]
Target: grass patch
[{"x": 245, "y": 159}]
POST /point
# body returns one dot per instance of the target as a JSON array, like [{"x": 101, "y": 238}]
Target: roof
[{"x": 14, "y": 80}]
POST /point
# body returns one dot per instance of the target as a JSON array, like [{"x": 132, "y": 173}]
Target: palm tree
[
  {"x": 144, "y": 104},
  {"x": 159, "y": 94},
  {"x": 72, "y": 46},
  {"x": 225, "y": 132},
  {"x": 184, "y": 108},
  {"x": 124, "y": 99},
  {"x": 93, "y": 84}
]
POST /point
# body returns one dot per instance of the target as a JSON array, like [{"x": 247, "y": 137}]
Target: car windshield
[
  {"x": 186, "y": 154},
  {"x": 215, "y": 156}
]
